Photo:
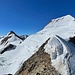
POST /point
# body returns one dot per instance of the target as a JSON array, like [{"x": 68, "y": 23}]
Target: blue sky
[{"x": 30, "y": 16}]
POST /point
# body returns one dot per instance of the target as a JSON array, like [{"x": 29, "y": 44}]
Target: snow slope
[
  {"x": 63, "y": 26},
  {"x": 61, "y": 52}
]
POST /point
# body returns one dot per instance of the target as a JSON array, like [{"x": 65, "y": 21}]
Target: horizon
[
  {"x": 29, "y": 17},
  {"x": 36, "y": 32}
]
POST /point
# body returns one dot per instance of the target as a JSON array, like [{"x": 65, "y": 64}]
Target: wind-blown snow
[{"x": 59, "y": 49}]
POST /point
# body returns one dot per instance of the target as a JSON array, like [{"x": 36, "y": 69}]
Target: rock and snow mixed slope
[
  {"x": 9, "y": 42},
  {"x": 38, "y": 64},
  {"x": 62, "y": 53}
]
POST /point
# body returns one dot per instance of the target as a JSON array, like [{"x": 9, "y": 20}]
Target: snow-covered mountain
[
  {"x": 55, "y": 35},
  {"x": 10, "y": 41}
]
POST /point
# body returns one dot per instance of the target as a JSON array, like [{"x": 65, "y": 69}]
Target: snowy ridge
[
  {"x": 58, "y": 52},
  {"x": 61, "y": 52},
  {"x": 59, "y": 27},
  {"x": 70, "y": 56}
]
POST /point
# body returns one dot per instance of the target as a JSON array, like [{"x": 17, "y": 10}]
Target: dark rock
[
  {"x": 72, "y": 39},
  {"x": 38, "y": 74},
  {"x": 9, "y": 47}
]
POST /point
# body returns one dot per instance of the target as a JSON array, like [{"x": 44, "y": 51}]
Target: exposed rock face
[
  {"x": 38, "y": 64},
  {"x": 9, "y": 47},
  {"x": 5, "y": 40},
  {"x": 23, "y": 37},
  {"x": 72, "y": 39}
]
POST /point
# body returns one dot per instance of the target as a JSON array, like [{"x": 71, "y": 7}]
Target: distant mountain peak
[
  {"x": 11, "y": 32},
  {"x": 68, "y": 16}
]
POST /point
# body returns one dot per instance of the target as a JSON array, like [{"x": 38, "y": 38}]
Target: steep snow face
[
  {"x": 57, "y": 51},
  {"x": 11, "y": 61},
  {"x": 54, "y": 48},
  {"x": 64, "y": 27},
  {"x": 62, "y": 54},
  {"x": 62, "y": 21}
]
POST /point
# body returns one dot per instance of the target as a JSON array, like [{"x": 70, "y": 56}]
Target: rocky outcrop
[
  {"x": 72, "y": 39},
  {"x": 5, "y": 40},
  {"x": 38, "y": 64},
  {"x": 23, "y": 37},
  {"x": 8, "y": 48}
]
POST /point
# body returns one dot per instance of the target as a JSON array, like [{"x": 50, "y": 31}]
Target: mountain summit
[
  {"x": 63, "y": 26},
  {"x": 11, "y": 37},
  {"x": 62, "y": 21},
  {"x": 47, "y": 52}
]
